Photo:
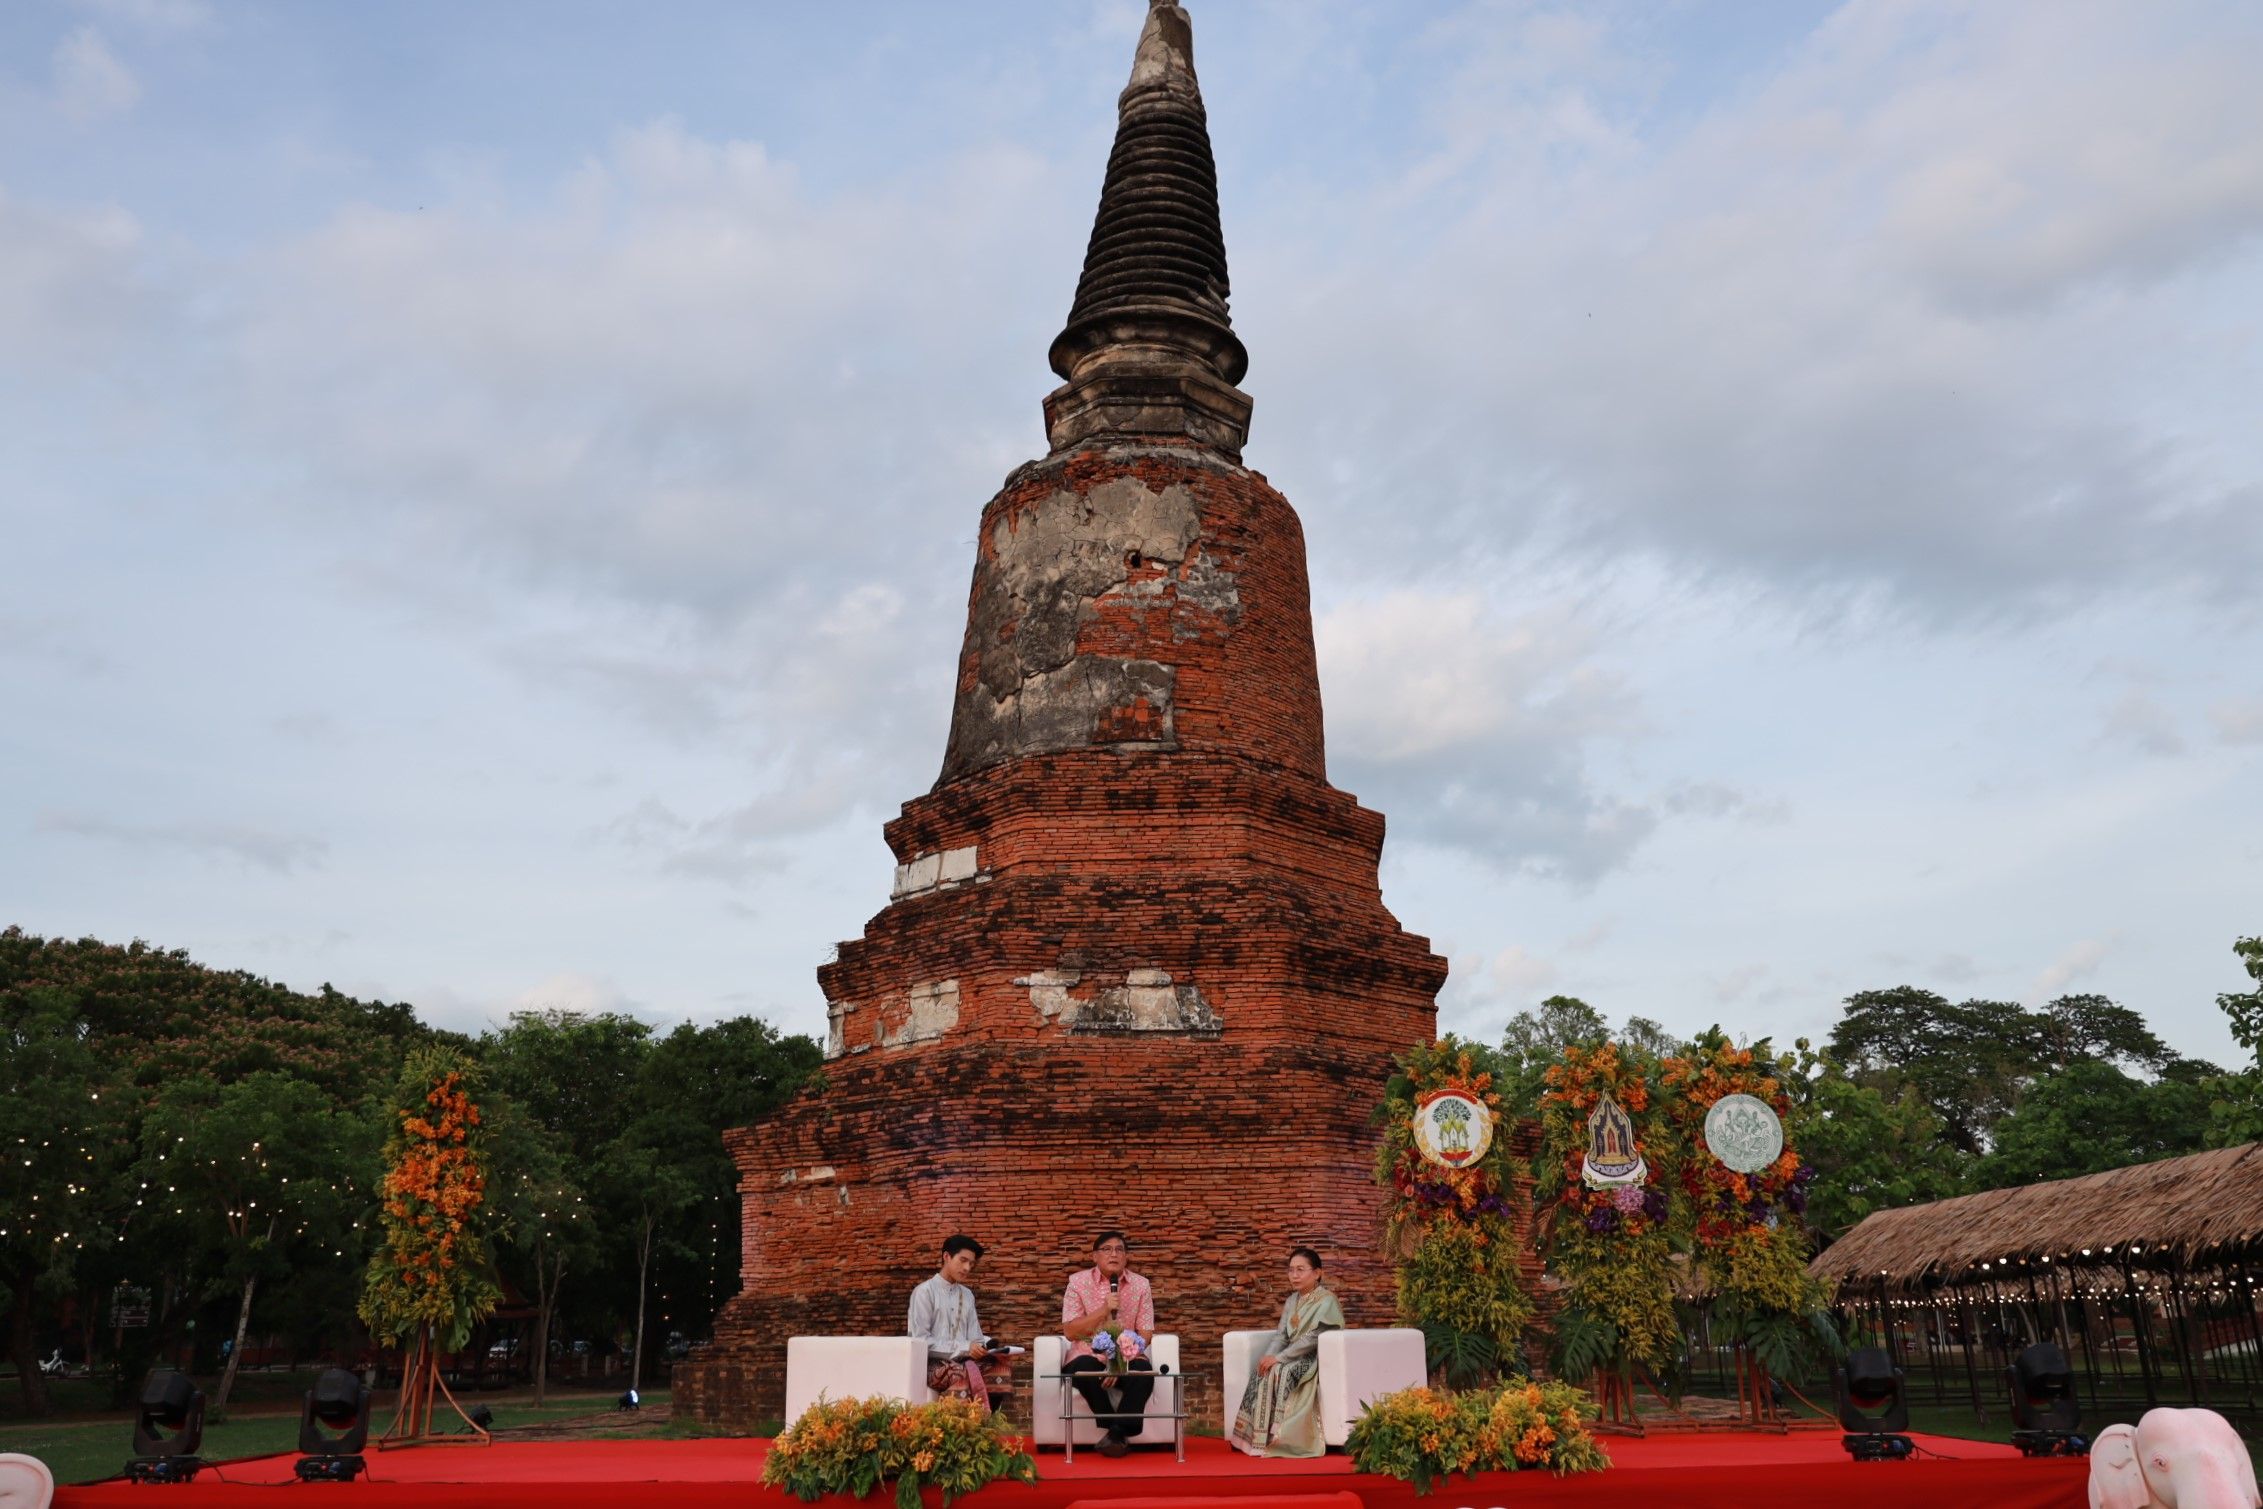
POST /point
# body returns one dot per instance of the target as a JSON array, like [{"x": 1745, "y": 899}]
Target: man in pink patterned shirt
[{"x": 1104, "y": 1295}]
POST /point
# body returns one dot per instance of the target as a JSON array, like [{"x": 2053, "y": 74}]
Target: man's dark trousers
[{"x": 1136, "y": 1384}]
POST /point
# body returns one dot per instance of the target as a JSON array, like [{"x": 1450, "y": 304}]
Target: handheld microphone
[{"x": 1115, "y": 1283}]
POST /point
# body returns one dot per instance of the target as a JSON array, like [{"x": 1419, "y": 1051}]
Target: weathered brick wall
[{"x": 1138, "y": 972}]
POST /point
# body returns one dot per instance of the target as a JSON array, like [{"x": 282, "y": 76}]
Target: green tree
[
  {"x": 2090, "y": 1117},
  {"x": 575, "y": 1073},
  {"x": 638, "y": 1122},
  {"x": 98, "y": 1035},
  {"x": 648, "y": 1189},
  {"x": 1536, "y": 1038},
  {"x": 2078, "y": 1029},
  {"x": 58, "y": 1172},
  {"x": 1650, "y": 1039},
  {"x": 545, "y": 1229},
  {"x": 725, "y": 1074},
  {"x": 2235, "y": 1110},
  {"x": 1966, "y": 1062},
  {"x": 268, "y": 1169},
  {"x": 1869, "y": 1152}
]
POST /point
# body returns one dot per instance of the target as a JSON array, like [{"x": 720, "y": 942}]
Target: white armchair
[
  {"x": 854, "y": 1367},
  {"x": 1045, "y": 1399},
  {"x": 1355, "y": 1366}
]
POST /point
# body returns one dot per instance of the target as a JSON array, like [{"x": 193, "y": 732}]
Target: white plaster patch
[
  {"x": 837, "y": 1027},
  {"x": 931, "y": 1009},
  {"x": 1049, "y": 993},
  {"x": 928, "y": 872},
  {"x": 1148, "y": 1001}
]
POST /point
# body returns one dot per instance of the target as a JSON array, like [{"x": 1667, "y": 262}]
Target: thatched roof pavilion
[{"x": 2202, "y": 1210}]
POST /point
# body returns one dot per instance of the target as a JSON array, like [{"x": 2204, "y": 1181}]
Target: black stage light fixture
[
  {"x": 2046, "y": 1415},
  {"x": 1873, "y": 1408},
  {"x": 338, "y": 1402},
  {"x": 168, "y": 1429},
  {"x": 626, "y": 1401}
]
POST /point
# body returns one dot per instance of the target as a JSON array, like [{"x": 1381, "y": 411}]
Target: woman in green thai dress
[{"x": 1280, "y": 1409}]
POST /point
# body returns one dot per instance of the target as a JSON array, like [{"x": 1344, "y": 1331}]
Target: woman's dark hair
[
  {"x": 1308, "y": 1255},
  {"x": 962, "y": 1243}
]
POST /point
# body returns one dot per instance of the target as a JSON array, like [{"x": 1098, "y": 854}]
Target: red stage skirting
[{"x": 1806, "y": 1469}]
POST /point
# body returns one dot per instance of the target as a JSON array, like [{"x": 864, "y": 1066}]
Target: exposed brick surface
[{"x": 1166, "y": 997}]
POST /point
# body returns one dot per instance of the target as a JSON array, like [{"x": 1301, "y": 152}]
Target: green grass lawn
[{"x": 83, "y": 1450}]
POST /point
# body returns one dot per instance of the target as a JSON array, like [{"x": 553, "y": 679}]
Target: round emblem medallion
[
  {"x": 1452, "y": 1129},
  {"x": 1744, "y": 1132}
]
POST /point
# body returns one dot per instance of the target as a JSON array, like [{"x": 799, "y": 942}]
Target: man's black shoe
[{"x": 1112, "y": 1445}]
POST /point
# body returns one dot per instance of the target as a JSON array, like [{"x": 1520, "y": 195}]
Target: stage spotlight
[
  {"x": 2045, "y": 1411},
  {"x": 626, "y": 1401},
  {"x": 338, "y": 1402},
  {"x": 1872, "y": 1407},
  {"x": 482, "y": 1418},
  {"x": 169, "y": 1403}
]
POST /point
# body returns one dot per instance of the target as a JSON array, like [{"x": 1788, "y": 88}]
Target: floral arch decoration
[{"x": 1447, "y": 1216}]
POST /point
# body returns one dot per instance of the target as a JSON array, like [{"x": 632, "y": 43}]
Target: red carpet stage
[{"x": 1748, "y": 1472}]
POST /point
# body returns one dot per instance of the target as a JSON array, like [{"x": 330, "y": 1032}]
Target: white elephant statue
[
  {"x": 25, "y": 1482},
  {"x": 2172, "y": 1459}
]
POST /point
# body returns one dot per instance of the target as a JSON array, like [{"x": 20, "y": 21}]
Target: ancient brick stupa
[{"x": 1136, "y": 971}]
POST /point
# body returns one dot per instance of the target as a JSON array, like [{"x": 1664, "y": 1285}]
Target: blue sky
[{"x": 490, "y": 489}]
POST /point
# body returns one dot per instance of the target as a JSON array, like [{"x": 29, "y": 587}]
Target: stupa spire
[{"x": 1149, "y": 350}]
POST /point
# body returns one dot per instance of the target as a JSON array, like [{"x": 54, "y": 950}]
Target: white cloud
[
  {"x": 70, "y": 293},
  {"x": 1474, "y": 732},
  {"x": 1515, "y": 972},
  {"x": 2238, "y": 721},
  {"x": 159, "y": 17},
  {"x": 2080, "y": 961},
  {"x": 252, "y": 847},
  {"x": 90, "y": 82},
  {"x": 2143, "y": 723},
  {"x": 1863, "y": 331}
]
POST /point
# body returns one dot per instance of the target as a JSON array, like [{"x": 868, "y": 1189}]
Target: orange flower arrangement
[{"x": 433, "y": 1269}]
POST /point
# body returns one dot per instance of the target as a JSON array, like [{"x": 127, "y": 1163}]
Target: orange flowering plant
[
  {"x": 1424, "y": 1436},
  {"x": 854, "y": 1446},
  {"x": 433, "y": 1270},
  {"x": 1611, "y": 1245},
  {"x": 1458, "y": 1274}
]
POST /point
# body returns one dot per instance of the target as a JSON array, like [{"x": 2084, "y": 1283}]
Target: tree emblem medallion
[
  {"x": 1744, "y": 1132},
  {"x": 1451, "y": 1128}
]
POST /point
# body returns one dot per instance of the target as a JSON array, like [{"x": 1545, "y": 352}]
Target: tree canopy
[{"x": 212, "y": 1139}]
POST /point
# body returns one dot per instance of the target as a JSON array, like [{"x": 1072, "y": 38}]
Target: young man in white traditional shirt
[{"x": 959, "y": 1358}]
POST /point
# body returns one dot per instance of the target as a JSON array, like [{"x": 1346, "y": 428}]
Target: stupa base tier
[{"x": 1214, "y": 1165}]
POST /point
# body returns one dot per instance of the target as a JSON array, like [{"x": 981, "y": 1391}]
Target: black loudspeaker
[
  {"x": 338, "y": 1402},
  {"x": 168, "y": 1429},
  {"x": 2046, "y": 1415},
  {"x": 1873, "y": 1408}
]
